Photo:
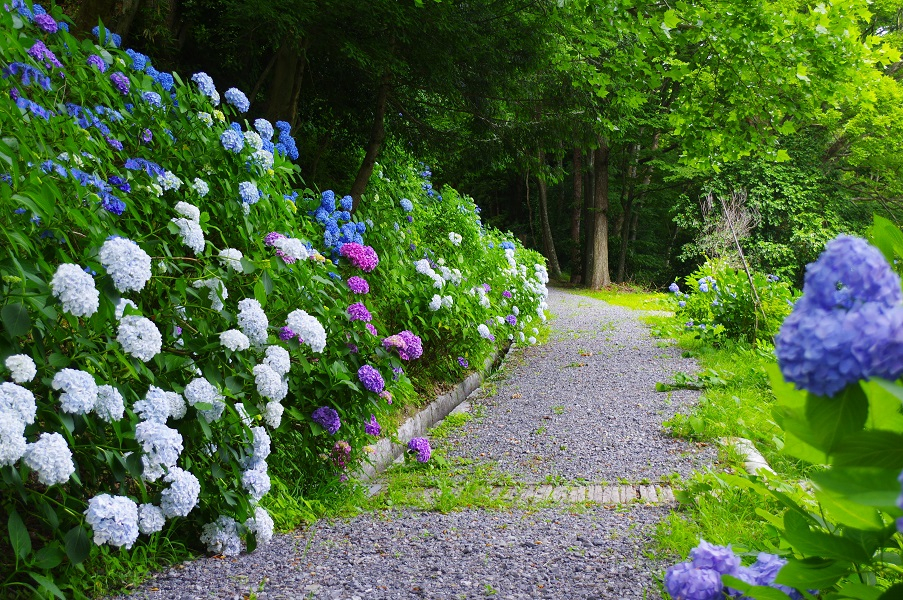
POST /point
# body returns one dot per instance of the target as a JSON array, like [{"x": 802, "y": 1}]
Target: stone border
[
  {"x": 753, "y": 461},
  {"x": 386, "y": 452}
]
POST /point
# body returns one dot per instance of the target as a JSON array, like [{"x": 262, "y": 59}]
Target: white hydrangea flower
[
  {"x": 256, "y": 482},
  {"x": 75, "y": 290},
  {"x": 500, "y": 320},
  {"x": 22, "y": 367},
  {"x": 169, "y": 181},
  {"x": 159, "y": 405},
  {"x": 447, "y": 301},
  {"x": 423, "y": 267},
  {"x": 308, "y": 328},
  {"x": 278, "y": 359},
  {"x": 263, "y": 158},
  {"x": 114, "y": 520},
  {"x": 139, "y": 337},
  {"x": 446, "y": 273},
  {"x": 456, "y": 276},
  {"x": 234, "y": 340},
  {"x": 261, "y": 525},
  {"x": 455, "y": 238},
  {"x": 231, "y": 258},
  {"x": 207, "y": 119},
  {"x": 191, "y": 234},
  {"x": 156, "y": 189},
  {"x": 110, "y": 405},
  {"x": 218, "y": 291},
  {"x": 189, "y": 211},
  {"x": 162, "y": 447},
  {"x": 243, "y": 414},
  {"x": 50, "y": 458},
  {"x": 201, "y": 390},
  {"x": 200, "y": 186},
  {"x": 483, "y": 330},
  {"x": 120, "y": 307},
  {"x": 272, "y": 414},
  {"x": 292, "y": 247},
  {"x": 515, "y": 310},
  {"x": 435, "y": 303},
  {"x": 261, "y": 447},
  {"x": 438, "y": 282},
  {"x": 79, "y": 391},
  {"x": 17, "y": 402},
  {"x": 520, "y": 336},
  {"x": 181, "y": 496},
  {"x": 127, "y": 264},
  {"x": 222, "y": 537},
  {"x": 531, "y": 339},
  {"x": 270, "y": 384},
  {"x": 535, "y": 331},
  {"x": 12, "y": 440},
  {"x": 150, "y": 519},
  {"x": 484, "y": 302},
  {"x": 253, "y": 139},
  {"x": 253, "y": 321}
]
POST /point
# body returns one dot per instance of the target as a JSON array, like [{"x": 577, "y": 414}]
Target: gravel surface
[
  {"x": 584, "y": 405},
  {"x": 544, "y": 554}
]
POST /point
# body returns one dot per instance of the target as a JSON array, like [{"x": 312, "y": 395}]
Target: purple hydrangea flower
[
  {"x": 396, "y": 373},
  {"x": 271, "y": 238},
  {"x": 848, "y": 325},
  {"x": 463, "y": 362},
  {"x": 358, "y": 285},
  {"x": 146, "y": 136},
  {"x": 341, "y": 450},
  {"x": 373, "y": 428},
  {"x": 848, "y": 273},
  {"x": 328, "y": 418},
  {"x": 686, "y": 582},
  {"x": 286, "y": 333},
  {"x": 120, "y": 82},
  {"x": 506, "y": 294},
  {"x": 41, "y": 53},
  {"x": 46, "y": 22},
  {"x": 511, "y": 320},
  {"x": 421, "y": 446},
  {"x": 359, "y": 312},
  {"x": 372, "y": 329},
  {"x": 487, "y": 288},
  {"x": 371, "y": 379},
  {"x": 387, "y": 396},
  {"x": 353, "y": 347},
  {"x": 718, "y": 558},
  {"x": 394, "y": 341},
  {"x": 362, "y": 257},
  {"x": 674, "y": 288},
  {"x": 413, "y": 346},
  {"x": 97, "y": 62}
]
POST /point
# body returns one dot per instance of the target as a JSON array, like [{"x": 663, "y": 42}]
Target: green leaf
[
  {"x": 18, "y": 536},
  {"x": 16, "y": 319},
  {"x": 671, "y": 19},
  {"x": 894, "y": 592},
  {"x": 260, "y": 293},
  {"x": 78, "y": 547},
  {"x": 812, "y": 573},
  {"x": 844, "y": 512},
  {"x": 870, "y": 487},
  {"x": 832, "y": 419},
  {"x": 858, "y": 591},
  {"x": 247, "y": 266},
  {"x": 759, "y": 592},
  {"x": 268, "y": 284},
  {"x": 47, "y": 584},
  {"x": 879, "y": 449},
  {"x": 818, "y": 543},
  {"x": 48, "y": 557}
]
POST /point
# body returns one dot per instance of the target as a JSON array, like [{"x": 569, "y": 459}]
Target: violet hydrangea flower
[
  {"x": 328, "y": 418},
  {"x": 286, "y": 333},
  {"x": 120, "y": 82},
  {"x": 362, "y": 257},
  {"x": 413, "y": 346},
  {"x": 421, "y": 446},
  {"x": 358, "y": 285},
  {"x": 97, "y": 62},
  {"x": 687, "y": 582},
  {"x": 359, "y": 312},
  {"x": 371, "y": 379},
  {"x": 372, "y": 427}
]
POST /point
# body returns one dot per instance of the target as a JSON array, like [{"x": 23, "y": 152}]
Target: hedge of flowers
[
  {"x": 174, "y": 305},
  {"x": 840, "y": 358}
]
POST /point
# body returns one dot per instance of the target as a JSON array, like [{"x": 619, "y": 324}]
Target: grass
[{"x": 629, "y": 297}]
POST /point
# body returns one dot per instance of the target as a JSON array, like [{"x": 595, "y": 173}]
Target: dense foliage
[{"x": 179, "y": 311}]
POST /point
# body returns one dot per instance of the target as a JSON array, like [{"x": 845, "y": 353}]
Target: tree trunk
[
  {"x": 129, "y": 12},
  {"x": 599, "y": 275},
  {"x": 90, "y": 11},
  {"x": 630, "y": 215},
  {"x": 377, "y": 136},
  {"x": 530, "y": 209},
  {"x": 576, "y": 208},
  {"x": 548, "y": 244},
  {"x": 588, "y": 229},
  {"x": 288, "y": 71}
]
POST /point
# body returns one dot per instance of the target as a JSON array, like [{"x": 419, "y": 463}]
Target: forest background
[{"x": 625, "y": 140}]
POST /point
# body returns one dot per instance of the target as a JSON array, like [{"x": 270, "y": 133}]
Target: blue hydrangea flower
[
  {"x": 237, "y": 98},
  {"x": 248, "y": 192},
  {"x": 152, "y": 98},
  {"x": 232, "y": 141},
  {"x": 139, "y": 61},
  {"x": 674, "y": 288},
  {"x": 686, "y": 582},
  {"x": 406, "y": 205},
  {"x": 264, "y": 128},
  {"x": 346, "y": 203}
]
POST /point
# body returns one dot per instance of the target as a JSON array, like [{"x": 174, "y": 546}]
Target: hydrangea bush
[
  {"x": 840, "y": 357},
  {"x": 181, "y": 319},
  {"x": 717, "y": 299}
]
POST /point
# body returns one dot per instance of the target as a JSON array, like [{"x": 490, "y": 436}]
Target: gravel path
[{"x": 582, "y": 406}]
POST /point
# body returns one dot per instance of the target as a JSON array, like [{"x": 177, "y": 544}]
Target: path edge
[{"x": 385, "y": 451}]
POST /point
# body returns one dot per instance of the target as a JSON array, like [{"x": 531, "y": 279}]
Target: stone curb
[
  {"x": 753, "y": 461},
  {"x": 386, "y": 452}
]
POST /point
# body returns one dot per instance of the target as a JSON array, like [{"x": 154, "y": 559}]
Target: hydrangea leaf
[
  {"x": 870, "y": 487},
  {"x": 759, "y": 592},
  {"x": 811, "y": 542},
  {"x": 843, "y": 512},
  {"x": 882, "y": 449},
  {"x": 78, "y": 546},
  {"x": 832, "y": 419},
  {"x": 812, "y": 573},
  {"x": 16, "y": 320},
  {"x": 18, "y": 536}
]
